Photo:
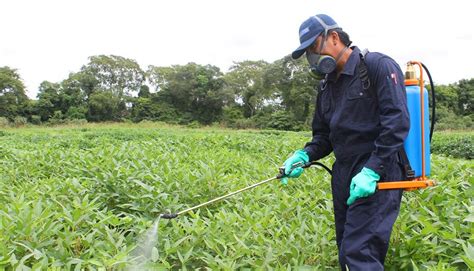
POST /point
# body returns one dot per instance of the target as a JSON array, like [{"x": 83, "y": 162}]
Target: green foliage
[
  {"x": 446, "y": 119},
  {"x": 465, "y": 92},
  {"x": 49, "y": 100},
  {"x": 76, "y": 112},
  {"x": 154, "y": 110},
  {"x": 103, "y": 106},
  {"x": 12, "y": 93},
  {"x": 447, "y": 97},
  {"x": 116, "y": 74},
  {"x": 19, "y": 121},
  {"x": 244, "y": 124},
  {"x": 4, "y": 122},
  {"x": 290, "y": 81},
  {"x": 231, "y": 114},
  {"x": 79, "y": 198},
  {"x": 57, "y": 118},
  {"x": 435, "y": 226},
  {"x": 194, "y": 124},
  {"x": 252, "y": 94},
  {"x": 454, "y": 105},
  {"x": 79, "y": 86},
  {"x": 245, "y": 81},
  {"x": 35, "y": 119},
  {"x": 454, "y": 144},
  {"x": 196, "y": 92},
  {"x": 283, "y": 120}
]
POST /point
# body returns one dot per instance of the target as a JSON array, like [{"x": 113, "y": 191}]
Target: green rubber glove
[
  {"x": 298, "y": 156},
  {"x": 363, "y": 185}
]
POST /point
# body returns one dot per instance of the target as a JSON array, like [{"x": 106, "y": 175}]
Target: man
[{"x": 361, "y": 115}]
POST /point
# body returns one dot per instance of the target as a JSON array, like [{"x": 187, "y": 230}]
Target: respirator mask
[{"x": 320, "y": 65}]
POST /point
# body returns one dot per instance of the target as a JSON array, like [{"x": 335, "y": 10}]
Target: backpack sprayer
[
  {"x": 416, "y": 147},
  {"x": 415, "y": 154}
]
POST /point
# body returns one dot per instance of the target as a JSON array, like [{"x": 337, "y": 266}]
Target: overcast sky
[{"x": 46, "y": 40}]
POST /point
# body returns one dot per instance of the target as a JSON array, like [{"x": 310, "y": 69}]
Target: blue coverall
[{"x": 364, "y": 128}]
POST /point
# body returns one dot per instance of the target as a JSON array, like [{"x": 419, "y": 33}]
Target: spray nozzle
[{"x": 168, "y": 216}]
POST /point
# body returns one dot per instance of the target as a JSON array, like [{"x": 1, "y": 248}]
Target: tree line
[{"x": 252, "y": 94}]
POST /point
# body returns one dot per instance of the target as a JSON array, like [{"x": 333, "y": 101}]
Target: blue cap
[{"x": 311, "y": 29}]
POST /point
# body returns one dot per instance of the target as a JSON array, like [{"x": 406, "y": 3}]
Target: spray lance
[
  {"x": 416, "y": 145},
  {"x": 280, "y": 175}
]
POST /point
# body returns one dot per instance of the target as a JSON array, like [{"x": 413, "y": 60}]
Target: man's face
[
  {"x": 317, "y": 47},
  {"x": 320, "y": 55},
  {"x": 314, "y": 52}
]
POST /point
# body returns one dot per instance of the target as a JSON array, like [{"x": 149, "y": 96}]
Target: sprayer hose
[{"x": 433, "y": 101}]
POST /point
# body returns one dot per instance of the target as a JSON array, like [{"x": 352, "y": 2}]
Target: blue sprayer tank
[{"x": 413, "y": 143}]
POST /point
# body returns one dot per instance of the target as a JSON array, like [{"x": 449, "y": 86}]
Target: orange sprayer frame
[{"x": 422, "y": 181}]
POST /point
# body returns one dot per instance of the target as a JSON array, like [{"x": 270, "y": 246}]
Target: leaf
[
  {"x": 181, "y": 258},
  {"x": 155, "y": 256},
  {"x": 95, "y": 262},
  {"x": 188, "y": 254},
  {"x": 469, "y": 218},
  {"x": 469, "y": 250},
  {"x": 37, "y": 254},
  {"x": 145, "y": 186},
  {"x": 13, "y": 260}
]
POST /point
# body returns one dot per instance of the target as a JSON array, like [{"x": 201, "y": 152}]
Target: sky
[{"x": 47, "y": 40}]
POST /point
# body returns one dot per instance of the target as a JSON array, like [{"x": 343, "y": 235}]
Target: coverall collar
[{"x": 349, "y": 67}]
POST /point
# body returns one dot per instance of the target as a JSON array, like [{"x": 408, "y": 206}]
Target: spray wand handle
[{"x": 295, "y": 165}]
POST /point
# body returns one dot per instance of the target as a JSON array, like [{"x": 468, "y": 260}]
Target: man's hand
[
  {"x": 363, "y": 185},
  {"x": 300, "y": 156}
]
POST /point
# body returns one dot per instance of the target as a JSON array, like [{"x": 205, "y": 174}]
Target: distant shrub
[
  {"x": 231, "y": 114},
  {"x": 76, "y": 112},
  {"x": 244, "y": 124},
  {"x": 446, "y": 119},
  {"x": 459, "y": 145},
  {"x": 4, "y": 122},
  {"x": 282, "y": 120},
  {"x": 194, "y": 124},
  {"x": 76, "y": 121},
  {"x": 19, "y": 121},
  {"x": 57, "y": 118},
  {"x": 35, "y": 119}
]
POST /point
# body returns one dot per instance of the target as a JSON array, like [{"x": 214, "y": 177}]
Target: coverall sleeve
[
  {"x": 320, "y": 145},
  {"x": 393, "y": 111}
]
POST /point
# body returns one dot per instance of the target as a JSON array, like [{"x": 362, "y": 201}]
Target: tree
[
  {"x": 12, "y": 93},
  {"x": 195, "y": 91},
  {"x": 245, "y": 81},
  {"x": 144, "y": 92},
  {"x": 446, "y": 95},
  {"x": 119, "y": 75},
  {"x": 76, "y": 89},
  {"x": 80, "y": 86},
  {"x": 158, "y": 77},
  {"x": 49, "y": 100},
  {"x": 103, "y": 106},
  {"x": 289, "y": 80},
  {"x": 69, "y": 97},
  {"x": 465, "y": 92}
]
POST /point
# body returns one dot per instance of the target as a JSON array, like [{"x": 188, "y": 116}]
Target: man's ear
[{"x": 334, "y": 37}]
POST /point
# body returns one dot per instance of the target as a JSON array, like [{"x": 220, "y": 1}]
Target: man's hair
[{"x": 343, "y": 36}]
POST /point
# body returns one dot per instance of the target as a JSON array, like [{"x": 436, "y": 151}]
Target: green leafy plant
[{"x": 79, "y": 199}]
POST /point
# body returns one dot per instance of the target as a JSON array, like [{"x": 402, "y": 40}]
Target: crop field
[{"x": 85, "y": 198}]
